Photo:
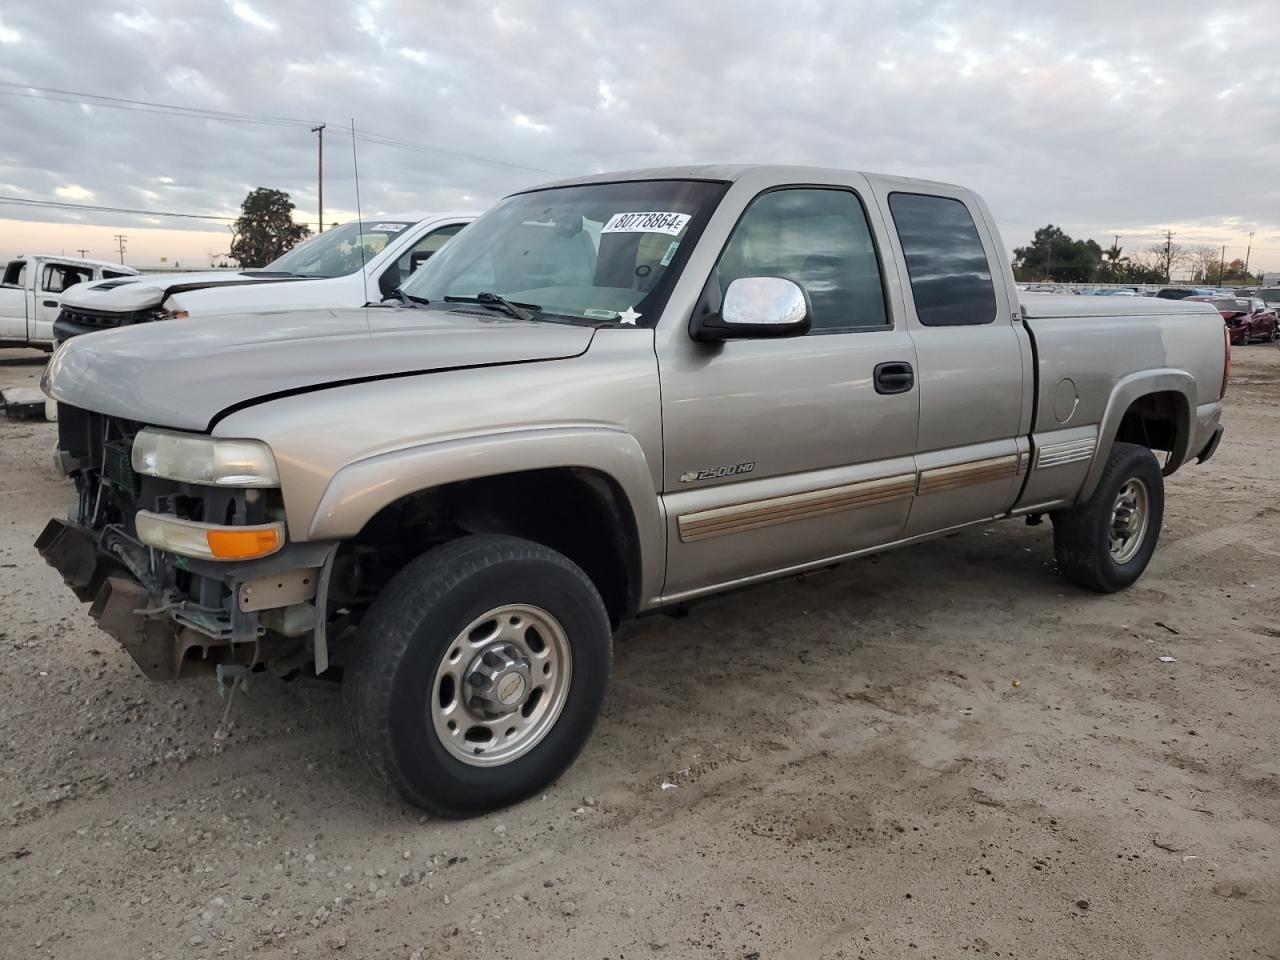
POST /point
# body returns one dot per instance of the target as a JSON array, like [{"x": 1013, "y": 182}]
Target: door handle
[
  {"x": 50, "y": 303},
  {"x": 895, "y": 376}
]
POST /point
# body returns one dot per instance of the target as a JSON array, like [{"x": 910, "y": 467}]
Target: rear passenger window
[
  {"x": 950, "y": 276},
  {"x": 820, "y": 239},
  {"x": 58, "y": 277}
]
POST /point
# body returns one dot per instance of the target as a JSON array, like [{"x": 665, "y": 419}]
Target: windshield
[
  {"x": 1231, "y": 305},
  {"x": 600, "y": 252},
  {"x": 336, "y": 252},
  {"x": 1270, "y": 294}
]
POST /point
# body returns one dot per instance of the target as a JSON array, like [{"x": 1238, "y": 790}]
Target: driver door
[{"x": 781, "y": 452}]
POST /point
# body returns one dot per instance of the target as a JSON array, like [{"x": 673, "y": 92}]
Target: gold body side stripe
[
  {"x": 965, "y": 474},
  {"x": 740, "y": 517}
]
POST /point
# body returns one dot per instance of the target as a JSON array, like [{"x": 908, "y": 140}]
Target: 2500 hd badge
[{"x": 717, "y": 473}]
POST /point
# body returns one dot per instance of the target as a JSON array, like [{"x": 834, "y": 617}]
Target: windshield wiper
[
  {"x": 486, "y": 299},
  {"x": 406, "y": 299}
]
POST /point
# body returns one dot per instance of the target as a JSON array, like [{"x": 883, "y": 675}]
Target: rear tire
[
  {"x": 487, "y": 635},
  {"x": 1106, "y": 542}
]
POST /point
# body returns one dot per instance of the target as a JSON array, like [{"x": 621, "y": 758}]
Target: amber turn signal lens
[
  {"x": 243, "y": 544},
  {"x": 208, "y": 541}
]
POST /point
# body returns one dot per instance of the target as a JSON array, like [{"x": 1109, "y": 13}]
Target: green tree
[
  {"x": 265, "y": 228},
  {"x": 1234, "y": 272},
  {"x": 1053, "y": 255}
]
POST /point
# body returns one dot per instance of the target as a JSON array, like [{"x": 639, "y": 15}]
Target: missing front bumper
[{"x": 73, "y": 553}]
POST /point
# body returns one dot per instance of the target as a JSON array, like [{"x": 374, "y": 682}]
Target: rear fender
[{"x": 1130, "y": 389}]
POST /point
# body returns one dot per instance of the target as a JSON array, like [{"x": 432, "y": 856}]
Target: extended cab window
[
  {"x": 58, "y": 277},
  {"x": 820, "y": 239},
  {"x": 950, "y": 276},
  {"x": 15, "y": 274}
]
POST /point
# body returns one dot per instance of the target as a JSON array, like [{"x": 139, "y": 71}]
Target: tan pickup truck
[{"x": 605, "y": 397}]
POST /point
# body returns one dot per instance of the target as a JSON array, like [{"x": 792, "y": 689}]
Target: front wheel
[
  {"x": 1106, "y": 542},
  {"x": 478, "y": 674}
]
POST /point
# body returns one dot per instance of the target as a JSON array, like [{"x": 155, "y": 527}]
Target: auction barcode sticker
[{"x": 668, "y": 223}]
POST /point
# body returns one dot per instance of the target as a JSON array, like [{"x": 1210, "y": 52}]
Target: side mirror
[
  {"x": 756, "y": 307},
  {"x": 418, "y": 258},
  {"x": 389, "y": 281}
]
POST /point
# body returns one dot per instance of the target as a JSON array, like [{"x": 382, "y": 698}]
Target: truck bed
[{"x": 1087, "y": 351}]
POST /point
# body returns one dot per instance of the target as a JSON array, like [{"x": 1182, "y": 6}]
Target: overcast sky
[{"x": 1103, "y": 118}]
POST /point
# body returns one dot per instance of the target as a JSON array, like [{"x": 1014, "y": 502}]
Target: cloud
[
  {"x": 74, "y": 192},
  {"x": 249, "y": 15},
  {"x": 1096, "y": 116}
]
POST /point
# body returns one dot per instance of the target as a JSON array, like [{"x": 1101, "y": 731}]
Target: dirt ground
[{"x": 940, "y": 752}]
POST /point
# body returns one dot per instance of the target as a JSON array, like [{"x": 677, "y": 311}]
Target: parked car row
[{"x": 1248, "y": 319}]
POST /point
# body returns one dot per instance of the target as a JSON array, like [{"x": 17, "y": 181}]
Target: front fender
[
  {"x": 359, "y": 490},
  {"x": 1126, "y": 391}
]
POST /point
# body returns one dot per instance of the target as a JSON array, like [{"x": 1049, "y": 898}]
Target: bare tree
[
  {"x": 1167, "y": 255},
  {"x": 1204, "y": 263}
]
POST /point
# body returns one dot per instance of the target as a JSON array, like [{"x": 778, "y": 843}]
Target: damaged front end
[{"x": 178, "y": 615}]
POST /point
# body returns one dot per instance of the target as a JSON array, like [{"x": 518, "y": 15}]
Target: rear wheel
[
  {"x": 1106, "y": 542},
  {"x": 479, "y": 673}
]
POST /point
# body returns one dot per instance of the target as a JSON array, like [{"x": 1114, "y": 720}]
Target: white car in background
[
  {"x": 32, "y": 289},
  {"x": 346, "y": 266}
]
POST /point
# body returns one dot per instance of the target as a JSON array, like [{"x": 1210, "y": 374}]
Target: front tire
[
  {"x": 478, "y": 674},
  {"x": 1106, "y": 542}
]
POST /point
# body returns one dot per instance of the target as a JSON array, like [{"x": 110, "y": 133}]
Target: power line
[
  {"x": 400, "y": 144},
  {"x": 132, "y": 211},
  {"x": 11, "y": 88},
  {"x": 141, "y": 106}
]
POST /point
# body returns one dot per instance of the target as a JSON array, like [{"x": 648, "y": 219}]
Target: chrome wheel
[
  {"x": 501, "y": 685},
  {"x": 1129, "y": 519}
]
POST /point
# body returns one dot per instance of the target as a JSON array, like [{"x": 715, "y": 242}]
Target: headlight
[{"x": 215, "y": 462}]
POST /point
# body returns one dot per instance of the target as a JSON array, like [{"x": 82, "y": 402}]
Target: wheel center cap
[
  {"x": 499, "y": 680},
  {"x": 510, "y": 689}
]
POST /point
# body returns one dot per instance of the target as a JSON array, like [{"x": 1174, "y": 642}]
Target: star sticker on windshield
[{"x": 629, "y": 317}]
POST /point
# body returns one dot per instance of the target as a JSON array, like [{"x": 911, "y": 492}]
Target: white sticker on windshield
[
  {"x": 668, "y": 223},
  {"x": 671, "y": 252},
  {"x": 388, "y": 227},
  {"x": 596, "y": 314}
]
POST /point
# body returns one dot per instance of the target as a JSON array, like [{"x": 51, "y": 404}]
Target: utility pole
[
  {"x": 1168, "y": 256},
  {"x": 1048, "y": 264},
  {"x": 83, "y": 253},
  {"x": 1222, "y": 263},
  {"x": 319, "y": 131},
  {"x": 120, "y": 239},
  {"x": 1248, "y": 250}
]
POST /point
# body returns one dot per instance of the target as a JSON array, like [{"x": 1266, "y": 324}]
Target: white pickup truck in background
[
  {"x": 31, "y": 292},
  {"x": 346, "y": 266}
]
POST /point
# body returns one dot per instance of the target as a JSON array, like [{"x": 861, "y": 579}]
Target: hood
[
  {"x": 128, "y": 294},
  {"x": 186, "y": 373}
]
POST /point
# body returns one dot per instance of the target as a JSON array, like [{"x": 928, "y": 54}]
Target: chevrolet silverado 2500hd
[
  {"x": 346, "y": 266},
  {"x": 607, "y": 396}
]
